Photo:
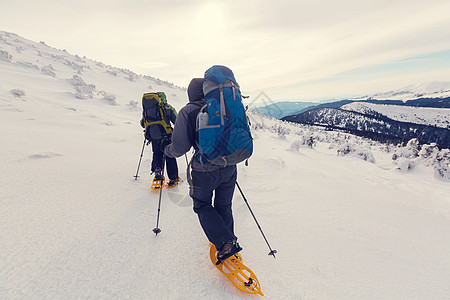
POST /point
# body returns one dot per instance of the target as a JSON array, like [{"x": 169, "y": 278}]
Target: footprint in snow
[{"x": 44, "y": 155}]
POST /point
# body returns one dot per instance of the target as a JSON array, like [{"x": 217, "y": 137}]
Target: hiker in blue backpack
[{"x": 216, "y": 217}]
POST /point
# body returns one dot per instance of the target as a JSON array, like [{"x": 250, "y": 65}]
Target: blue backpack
[{"x": 223, "y": 129}]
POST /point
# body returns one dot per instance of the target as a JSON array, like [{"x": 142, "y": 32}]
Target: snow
[
  {"x": 433, "y": 89},
  {"x": 439, "y": 117},
  {"x": 75, "y": 224}
]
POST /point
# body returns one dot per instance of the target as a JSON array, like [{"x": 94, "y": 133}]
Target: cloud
[
  {"x": 271, "y": 45},
  {"x": 152, "y": 64}
]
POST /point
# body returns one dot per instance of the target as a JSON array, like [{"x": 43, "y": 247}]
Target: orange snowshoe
[
  {"x": 236, "y": 272},
  {"x": 173, "y": 183},
  {"x": 157, "y": 183}
]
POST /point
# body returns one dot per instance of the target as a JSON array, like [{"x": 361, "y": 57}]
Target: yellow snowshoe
[
  {"x": 173, "y": 183},
  {"x": 157, "y": 183},
  {"x": 236, "y": 272}
]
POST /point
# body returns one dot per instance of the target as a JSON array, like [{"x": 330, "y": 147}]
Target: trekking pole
[
  {"x": 272, "y": 252},
  {"x": 156, "y": 230},
  {"x": 139, "y": 165}
]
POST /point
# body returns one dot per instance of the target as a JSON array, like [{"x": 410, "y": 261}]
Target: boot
[
  {"x": 173, "y": 182},
  {"x": 229, "y": 249}
]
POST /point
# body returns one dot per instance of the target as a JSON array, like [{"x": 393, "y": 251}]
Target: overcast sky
[{"x": 290, "y": 49}]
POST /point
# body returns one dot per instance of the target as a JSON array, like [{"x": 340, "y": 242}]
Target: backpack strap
[{"x": 209, "y": 86}]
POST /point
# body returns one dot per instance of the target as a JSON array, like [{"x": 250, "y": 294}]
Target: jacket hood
[{"x": 195, "y": 90}]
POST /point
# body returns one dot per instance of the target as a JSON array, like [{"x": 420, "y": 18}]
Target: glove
[{"x": 164, "y": 144}]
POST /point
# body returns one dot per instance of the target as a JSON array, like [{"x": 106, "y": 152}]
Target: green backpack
[{"x": 154, "y": 112}]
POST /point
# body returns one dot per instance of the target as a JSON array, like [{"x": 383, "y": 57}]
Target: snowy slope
[
  {"x": 439, "y": 117},
  {"x": 36, "y": 68},
  {"x": 75, "y": 224}
]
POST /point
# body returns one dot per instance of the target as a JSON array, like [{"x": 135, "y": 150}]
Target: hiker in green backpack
[{"x": 156, "y": 118}]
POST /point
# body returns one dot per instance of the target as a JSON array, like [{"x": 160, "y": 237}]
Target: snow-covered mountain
[
  {"x": 279, "y": 110},
  {"x": 349, "y": 217},
  {"x": 420, "y": 115},
  {"x": 373, "y": 125},
  {"x": 434, "y": 89},
  {"x": 42, "y": 68},
  {"x": 428, "y": 94},
  {"x": 388, "y": 119}
]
